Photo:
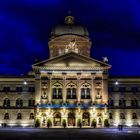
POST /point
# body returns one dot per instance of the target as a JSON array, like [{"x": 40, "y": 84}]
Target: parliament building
[{"x": 70, "y": 88}]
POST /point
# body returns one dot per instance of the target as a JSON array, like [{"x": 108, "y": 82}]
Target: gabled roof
[{"x": 71, "y": 60}]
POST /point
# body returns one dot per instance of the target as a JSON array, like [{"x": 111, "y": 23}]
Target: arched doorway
[
  {"x": 86, "y": 119},
  {"x": 71, "y": 119},
  {"x": 57, "y": 119}
]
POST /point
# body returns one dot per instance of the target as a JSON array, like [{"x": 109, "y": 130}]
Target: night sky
[{"x": 113, "y": 25}]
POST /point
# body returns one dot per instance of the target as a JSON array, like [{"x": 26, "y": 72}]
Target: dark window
[
  {"x": 85, "y": 93},
  {"x": 134, "y": 89},
  {"x": 122, "y": 116},
  {"x": 19, "y": 89},
  {"x": 6, "y": 89},
  {"x": 6, "y": 103},
  {"x": 19, "y": 116},
  {"x": 57, "y": 93},
  {"x": 31, "y": 89},
  {"x": 134, "y": 103},
  {"x": 122, "y": 89},
  {"x": 19, "y": 103},
  {"x": 6, "y": 116},
  {"x": 110, "y": 116},
  {"x": 122, "y": 103},
  {"x": 111, "y": 103},
  {"x": 110, "y": 89},
  {"x": 134, "y": 116},
  {"x": 31, "y": 116},
  {"x": 31, "y": 103},
  {"x": 71, "y": 93}
]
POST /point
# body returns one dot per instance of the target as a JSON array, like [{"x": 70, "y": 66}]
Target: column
[
  {"x": 37, "y": 88},
  {"x": 64, "y": 88},
  {"x": 78, "y": 88},
  {"x": 93, "y": 91},
  {"x": 105, "y": 89},
  {"x": 49, "y": 88}
]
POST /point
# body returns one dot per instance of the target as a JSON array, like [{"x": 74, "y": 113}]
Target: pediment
[{"x": 71, "y": 60}]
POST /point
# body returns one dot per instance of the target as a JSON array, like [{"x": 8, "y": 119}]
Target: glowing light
[
  {"x": 116, "y": 83},
  {"x": 25, "y": 83}
]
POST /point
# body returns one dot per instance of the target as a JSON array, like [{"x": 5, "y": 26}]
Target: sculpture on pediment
[{"x": 71, "y": 47}]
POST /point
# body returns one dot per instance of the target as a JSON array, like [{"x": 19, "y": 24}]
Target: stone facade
[{"x": 70, "y": 89}]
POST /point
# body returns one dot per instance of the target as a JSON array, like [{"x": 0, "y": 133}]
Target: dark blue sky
[{"x": 114, "y": 27}]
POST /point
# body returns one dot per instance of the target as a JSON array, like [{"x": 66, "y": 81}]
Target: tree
[
  {"x": 49, "y": 123},
  {"x": 93, "y": 123},
  {"x": 64, "y": 123}
]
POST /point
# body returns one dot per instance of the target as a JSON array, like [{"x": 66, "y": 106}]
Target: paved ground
[{"x": 69, "y": 134}]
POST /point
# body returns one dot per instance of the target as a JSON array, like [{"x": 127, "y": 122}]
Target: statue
[{"x": 105, "y": 59}]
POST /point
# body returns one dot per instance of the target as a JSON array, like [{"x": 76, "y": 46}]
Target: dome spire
[{"x": 69, "y": 19}]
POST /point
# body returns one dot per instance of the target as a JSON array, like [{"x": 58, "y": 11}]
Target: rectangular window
[
  {"x": 19, "y": 89},
  {"x": 31, "y": 89},
  {"x": 6, "y": 89},
  {"x": 122, "y": 89}
]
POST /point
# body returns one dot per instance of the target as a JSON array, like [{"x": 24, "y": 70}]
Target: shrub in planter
[
  {"x": 49, "y": 123},
  {"x": 64, "y": 123},
  {"x": 79, "y": 123},
  {"x": 106, "y": 123},
  {"x": 37, "y": 123},
  {"x": 93, "y": 123}
]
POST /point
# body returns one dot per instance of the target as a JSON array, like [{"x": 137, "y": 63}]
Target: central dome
[{"x": 69, "y": 28}]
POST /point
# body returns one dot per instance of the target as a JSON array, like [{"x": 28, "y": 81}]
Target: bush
[
  {"x": 79, "y": 123},
  {"x": 49, "y": 123},
  {"x": 37, "y": 123},
  {"x": 93, "y": 123},
  {"x": 106, "y": 123},
  {"x": 64, "y": 123}
]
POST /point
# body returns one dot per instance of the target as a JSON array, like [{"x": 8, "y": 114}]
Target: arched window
[
  {"x": 122, "y": 116},
  {"x": 134, "y": 103},
  {"x": 110, "y": 116},
  {"x": 71, "y": 91},
  {"x": 122, "y": 102},
  {"x": 111, "y": 102},
  {"x": 85, "y": 91},
  {"x": 19, "y": 103},
  {"x": 134, "y": 116},
  {"x": 31, "y": 116},
  {"x": 6, "y": 116},
  {"x": 19, "y": 116},
  {"x": 6, "y": 102},
  {"x": 57, "y": 91},
  {"x": 31, "y": 103}
]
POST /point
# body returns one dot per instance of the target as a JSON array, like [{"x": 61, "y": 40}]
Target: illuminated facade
[{"x": 70, "y": 88}]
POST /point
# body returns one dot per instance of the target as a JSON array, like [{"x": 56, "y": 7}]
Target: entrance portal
[
  {"x": 71, "y": 119},
  {"x": 57, "y": 119},
  {"x": 86, "y": 119}
]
